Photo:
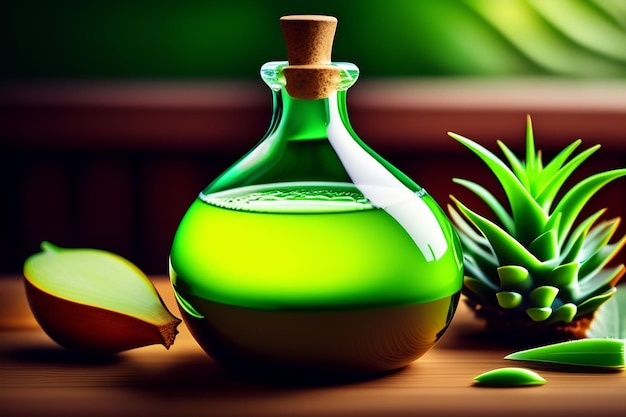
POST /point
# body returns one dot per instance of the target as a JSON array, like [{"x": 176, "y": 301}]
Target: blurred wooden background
[
  {"x": 114, "y": 115},
  {"x": 114, "y": 165}
]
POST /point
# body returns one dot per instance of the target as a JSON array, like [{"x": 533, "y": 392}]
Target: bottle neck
[
  {"x": 298, "y": 119},
  {"x": 305, "y": 119}
]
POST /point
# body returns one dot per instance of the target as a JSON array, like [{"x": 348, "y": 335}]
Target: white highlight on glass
[{"x": 384, "y": 190}]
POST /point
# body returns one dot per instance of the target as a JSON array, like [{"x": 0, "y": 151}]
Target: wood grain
[{"x": 38, "y": 378}]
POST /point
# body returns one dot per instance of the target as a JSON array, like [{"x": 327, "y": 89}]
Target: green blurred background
[
  {"x": 115, "y": 161},
  {"x": 197, "y": 39}
]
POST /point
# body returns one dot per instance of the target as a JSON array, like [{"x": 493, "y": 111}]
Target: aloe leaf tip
[{"x": 596, "y": 353}]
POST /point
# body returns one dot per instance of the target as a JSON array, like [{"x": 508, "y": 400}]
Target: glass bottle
[{"x": 312, "y": 252}]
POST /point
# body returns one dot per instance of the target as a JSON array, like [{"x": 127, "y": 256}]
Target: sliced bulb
[{"x": 94, "y": 301}]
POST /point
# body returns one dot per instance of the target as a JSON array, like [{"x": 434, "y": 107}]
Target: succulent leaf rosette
[{"x": 535, "y": 269}]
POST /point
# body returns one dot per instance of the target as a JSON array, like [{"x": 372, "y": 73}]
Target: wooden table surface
[{"x": 38, "y": 378}]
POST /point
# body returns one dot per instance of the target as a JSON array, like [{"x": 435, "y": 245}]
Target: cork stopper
[{"x": 309, "y": 41}]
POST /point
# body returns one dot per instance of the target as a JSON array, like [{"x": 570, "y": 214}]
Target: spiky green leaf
[
  {"x": 575, "y": 199},
  {"x": 481, "y": 289},
  {"x": 463, "y": 227},
  {"x": 601, "y": 257},
  {"x": 546, "y": 246},
  {"x": 508, "y": 250},
  {"x": 554, "y": 183},
  {"x": 509, "y": 299},
  {"x": 553, "y": 167},
  {"x": 475, "y": 267},
  {"x": 558, "y": 161},
  {"x": 592, "y": 304},
  {"x": 565, "y": 277},
  {"x": 573, "y": 247},
  {"x": 528, "y": 216},
  {"x": 610, "y": 319},
  {"x": 600, "y": 281},
  {"x": 492, "y": 202},
  {"x": 517, "y": 166},
  {"x": 598, "y": 237},
  {"x": 532, "y": 165}
]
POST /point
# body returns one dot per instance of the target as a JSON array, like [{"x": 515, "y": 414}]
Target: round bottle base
[{"x": 344, "y": 342}]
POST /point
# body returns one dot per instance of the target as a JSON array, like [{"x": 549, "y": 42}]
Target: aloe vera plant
[{"x": 534, "y": 266}]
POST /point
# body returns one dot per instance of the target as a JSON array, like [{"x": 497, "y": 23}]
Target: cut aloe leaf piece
[
  {"x": 565, "y": 313},
  {"x": 543, "y": 296},
  {"x": 597, "y": 353},
  {"x": 514, "y": 276},
  {"x": 539, "y": 313},
  {"x": 509, "y": 377},
  {"x": 509, "y": 299}
]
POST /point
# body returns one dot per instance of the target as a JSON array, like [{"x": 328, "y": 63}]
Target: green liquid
[{"x": 315, "y": 261}]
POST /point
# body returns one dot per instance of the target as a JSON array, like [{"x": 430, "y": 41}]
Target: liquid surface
[
  {"x": 310, "y": 247},
  {"x": 292, "y": 198}
]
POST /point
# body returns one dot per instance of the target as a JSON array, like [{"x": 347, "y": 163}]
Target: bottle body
[{"x": 312, "y": 252}]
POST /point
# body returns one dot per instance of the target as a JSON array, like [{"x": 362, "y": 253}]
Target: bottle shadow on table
[
  {"x": 56, "y": 355},
  {"x": 186, "y": 376},
  {"x": 200, "y": 374}
]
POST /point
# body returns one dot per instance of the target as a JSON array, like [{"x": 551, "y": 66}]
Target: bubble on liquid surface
[{"x": 293, "y": 198}]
